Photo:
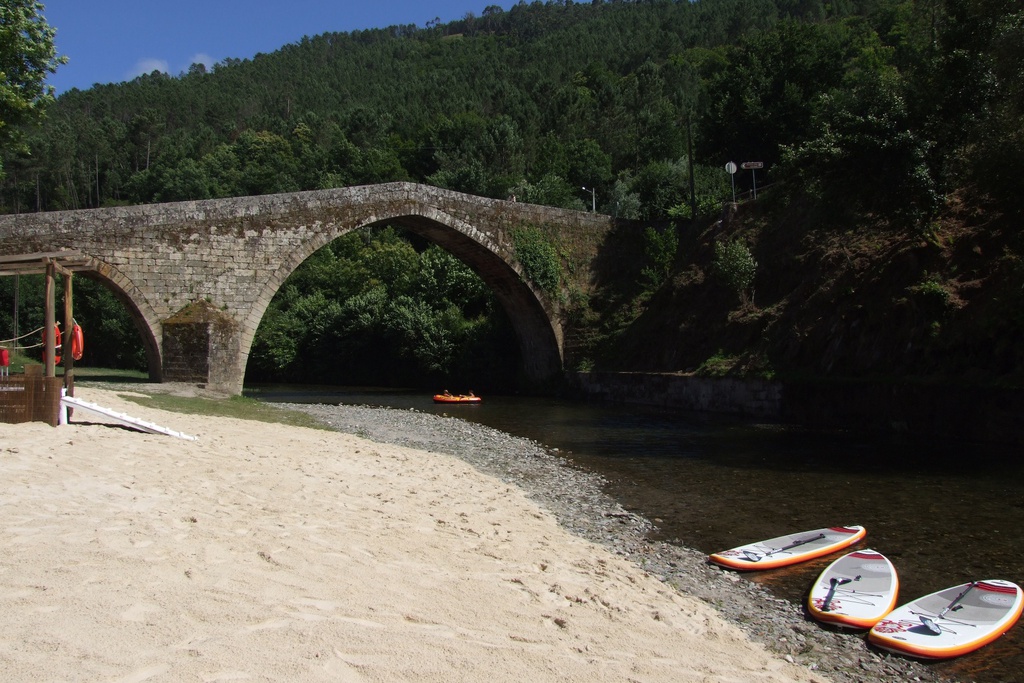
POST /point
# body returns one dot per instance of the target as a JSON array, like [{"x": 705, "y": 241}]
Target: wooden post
[
  {"x": 68, "y": 344},
  {"x": 48, "y": 338}
]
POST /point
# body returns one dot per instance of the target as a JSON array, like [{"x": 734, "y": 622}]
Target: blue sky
[{"x": 108, "y": 41}]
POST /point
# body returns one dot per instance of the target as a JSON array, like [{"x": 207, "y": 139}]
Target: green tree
[
  {"x": 660, "y": 248},
  {"x": 766, "y": 96},
  {"x": 660, "y": 186},
  {"x": 115, "y": 340},
  {"x": 974, "y": 79},
  {"x": 865, "y": 156},
  {"x": 624, "y": 202},
  {"x": 376, "y": 307},
  {"x": 736, "y": 266},
  {"x": 550, "y": 190},
  {"x": 266, "y": 162},
  {"x": 187, "y": 180},
  {"x": 27, "y": 55}
]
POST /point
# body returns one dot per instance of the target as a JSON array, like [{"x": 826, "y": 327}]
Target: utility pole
[
  {"x": 689, "y": 160},
  {"x": 593, "y": 199}
]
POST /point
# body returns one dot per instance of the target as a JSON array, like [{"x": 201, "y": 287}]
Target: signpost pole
[
  {"x": 731, "y": 170},
  {"x": 753, "y": 166}
]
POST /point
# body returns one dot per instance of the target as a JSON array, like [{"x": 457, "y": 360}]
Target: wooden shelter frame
[{"x": 50, "y": 264}]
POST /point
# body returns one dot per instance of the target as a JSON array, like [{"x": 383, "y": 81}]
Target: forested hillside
[{"x": 882, "y": 125}]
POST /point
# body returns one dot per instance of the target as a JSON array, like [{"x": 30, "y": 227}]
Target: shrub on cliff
[{"x": 736, "y": 266}]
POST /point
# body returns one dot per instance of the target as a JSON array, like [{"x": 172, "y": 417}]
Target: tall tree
[{"x": 27, "y": 55}]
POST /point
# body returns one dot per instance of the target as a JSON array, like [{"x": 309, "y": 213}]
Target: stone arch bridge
[{"x": 198, "y": 276}]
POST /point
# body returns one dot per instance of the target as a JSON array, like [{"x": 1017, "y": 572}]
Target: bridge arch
[
  {"x": 146, "y": 320},
  {"x": 532, "y": 315}
]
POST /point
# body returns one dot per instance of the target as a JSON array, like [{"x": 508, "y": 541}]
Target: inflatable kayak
[
  {"x": 855, "y": 591},
  {"x": 951, "y": 622},
  {"x": 461, "y": 398},
  {"x": 789, "y": 549}
]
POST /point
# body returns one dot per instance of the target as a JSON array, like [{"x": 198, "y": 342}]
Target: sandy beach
[{"x": 263, "y": 552}]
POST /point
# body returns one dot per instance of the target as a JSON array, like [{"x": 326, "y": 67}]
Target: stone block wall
[
  {"x": 200, "y": 346},
  {"x": 964, "y": 414},
  {"x": 742, "y": 397}
]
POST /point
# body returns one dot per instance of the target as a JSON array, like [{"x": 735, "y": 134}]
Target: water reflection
[{"x": 944, "y": 513}]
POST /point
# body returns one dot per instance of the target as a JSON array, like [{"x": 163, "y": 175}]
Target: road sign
[
  {"x": 752, "y": 164},
  {"x": 730, "y": 167}
]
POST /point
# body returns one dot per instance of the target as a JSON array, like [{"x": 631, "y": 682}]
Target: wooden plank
[
  {"x": 39, "y": 267},
  {"x": 39, "y": 256},
  {"x": 121, "y": 418}
]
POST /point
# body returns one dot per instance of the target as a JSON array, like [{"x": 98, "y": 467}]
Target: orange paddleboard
[
  {"x": 789, "y": 549},
  {"x": 855, "y": 591},
  {"x": 951, "y": 622}
]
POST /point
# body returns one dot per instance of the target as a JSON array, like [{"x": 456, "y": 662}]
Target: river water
[{"x": 943, "y": 512}]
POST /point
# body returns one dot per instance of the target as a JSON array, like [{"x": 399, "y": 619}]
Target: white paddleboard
[
  {"x": 855, "y": 591},
  {"x": 951, "y": 622},
  {"x": 789, "y": 549}
]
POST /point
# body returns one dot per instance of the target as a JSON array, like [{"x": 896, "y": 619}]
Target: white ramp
[{"x": 120, "y": 418}]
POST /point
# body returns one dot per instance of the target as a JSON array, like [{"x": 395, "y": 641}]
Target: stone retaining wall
[
  {"x": 748, "y": 398},
  {"x": 941, "y": 412}
]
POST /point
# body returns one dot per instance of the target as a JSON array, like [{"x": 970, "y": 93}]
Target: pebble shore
[{"x": 577, "y": 500}]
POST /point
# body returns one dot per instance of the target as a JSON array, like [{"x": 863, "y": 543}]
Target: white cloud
[
  {"x": 202, "y": 58},
  {"x": 148, "y": 66}
]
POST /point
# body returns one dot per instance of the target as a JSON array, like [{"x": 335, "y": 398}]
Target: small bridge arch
[{"x": 228, "y": 257}]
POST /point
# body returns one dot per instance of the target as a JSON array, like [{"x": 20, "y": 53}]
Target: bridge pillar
[{"x": 201, "y": 345}]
